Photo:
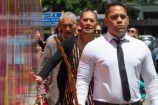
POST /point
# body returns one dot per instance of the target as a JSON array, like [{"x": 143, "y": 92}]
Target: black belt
[{"x": 105, "y": 103}]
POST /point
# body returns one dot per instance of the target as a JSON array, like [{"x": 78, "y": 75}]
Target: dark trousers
[{"x": 104, "y": 103}]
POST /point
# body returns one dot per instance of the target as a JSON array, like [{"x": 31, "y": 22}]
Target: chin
[
  {"x": 88, "y": 32},
  {"x": 121, "y": 31},
  {"x": 69, "y": 34}
]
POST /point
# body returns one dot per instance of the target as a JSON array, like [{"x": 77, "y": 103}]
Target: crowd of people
[{"x": 112, "y": 68}]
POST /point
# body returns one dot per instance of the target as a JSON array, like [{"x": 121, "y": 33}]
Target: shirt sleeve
[
  {"x": 50, "y": 65},
  {"x": 52, "y": 61},
  {"x": 150, "y": 77},
  {"x": 57, "y": 57},
  {"x": 84, "y": 74},
  {"x": 153, "y": 56}
]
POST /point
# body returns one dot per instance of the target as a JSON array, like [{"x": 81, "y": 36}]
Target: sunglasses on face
[
  {"x": 132, "y": 31},
  {"x": 98, "y": 31}
]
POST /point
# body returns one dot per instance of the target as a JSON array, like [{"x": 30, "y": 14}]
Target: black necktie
[{"x": 123, "y": 74}]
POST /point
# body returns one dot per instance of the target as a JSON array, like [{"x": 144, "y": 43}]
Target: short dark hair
[
  {"x": 114, "y": 4},
  {"x": 88, "y": 9}
]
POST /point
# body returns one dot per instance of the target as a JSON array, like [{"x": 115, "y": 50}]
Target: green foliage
[{"x": 75, "y": 6}]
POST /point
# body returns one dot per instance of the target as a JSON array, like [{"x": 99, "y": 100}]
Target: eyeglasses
[
  {"x": 132, "y": 31},
  {"x": 98, "y": 31}
]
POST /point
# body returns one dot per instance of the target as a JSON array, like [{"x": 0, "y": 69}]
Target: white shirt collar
[{"x": 110, "y": 37}]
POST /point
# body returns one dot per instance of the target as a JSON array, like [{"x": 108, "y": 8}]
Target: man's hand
[
  {"x": 37, "y": 35},
  {"x": 37, "y": 78},
  {"x": 141, "y": 100}
]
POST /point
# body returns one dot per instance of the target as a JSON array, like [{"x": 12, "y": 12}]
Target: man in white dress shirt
[{"x": 99, "y": 59}]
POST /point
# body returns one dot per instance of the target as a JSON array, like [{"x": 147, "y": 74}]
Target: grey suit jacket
[{"x": 53, "y": 93}]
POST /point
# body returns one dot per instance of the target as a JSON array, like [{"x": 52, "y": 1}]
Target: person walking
[
  {"x": 67, "y": 26},
  {"x": 116, "y": 60},
  {"x": 73, "y": 48}
]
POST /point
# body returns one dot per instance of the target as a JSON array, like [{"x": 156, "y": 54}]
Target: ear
[
  {"x": 127, "y": 20},
  {"x": 105, "y": 21},
  {"x": 77, "y": 24},
  {"x": 59, "y": 24},
  {"x": 96, "y": 24}
]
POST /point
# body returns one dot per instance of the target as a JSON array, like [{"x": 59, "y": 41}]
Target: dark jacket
[{"x": 56, "y": 58}]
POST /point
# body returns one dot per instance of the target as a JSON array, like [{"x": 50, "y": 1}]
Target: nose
[
  {"x": 97, "y": 31},
  {"x": 67, "y": 27},
  {"x": 88, "y": 22},
  {"x": 119, "y": 20}
]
